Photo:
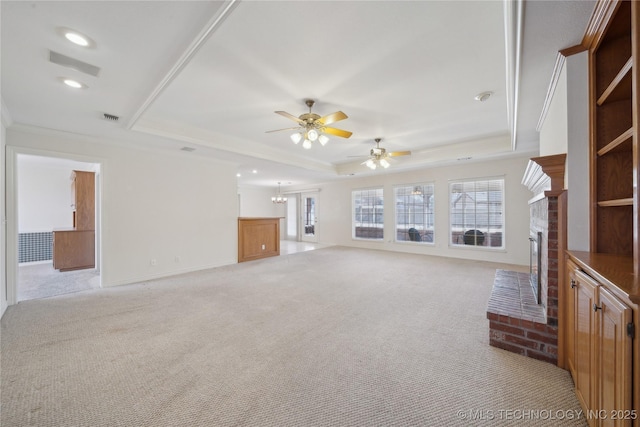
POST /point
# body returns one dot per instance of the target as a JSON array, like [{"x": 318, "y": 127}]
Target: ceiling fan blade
[
  {"x": 337, "y": 132},
  {"x": 332, "y": 118},
  {"x": 399, "y": 153},
  {"x": 289, "y": 116},
  {"x": 278, "y": 130}
]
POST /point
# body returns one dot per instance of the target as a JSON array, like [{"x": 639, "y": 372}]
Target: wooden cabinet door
[
  {"x": 73, "y": 249},
  {"x": 614, "y": 359},
  {"x": 570, "y": 317},
  {"x": 84, "y": 196},
  {"x": 586, "y": 290}
]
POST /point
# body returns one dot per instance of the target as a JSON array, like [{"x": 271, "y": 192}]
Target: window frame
[
  {"x": 427, "y": 233},
  {"x": 494, "y": 234},
  {"x": 357, "y": 193}
]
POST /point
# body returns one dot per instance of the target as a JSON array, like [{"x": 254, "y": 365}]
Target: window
[
  {"x": 414, "y": 213},
  {"x": 476, "y": 212},
  {"x": 368, "y": 214}
]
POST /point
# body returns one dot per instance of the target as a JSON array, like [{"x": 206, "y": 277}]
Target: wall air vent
[
  {"x": 188, "y": 149},
  {"x": 67, "y": 61},
  {"x": 111, "y": 117}
]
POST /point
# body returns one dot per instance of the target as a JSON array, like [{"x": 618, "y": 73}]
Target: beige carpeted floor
[{"x": 331, "y": 337}]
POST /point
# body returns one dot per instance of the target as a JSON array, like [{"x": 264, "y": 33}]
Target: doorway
[
  {"x": 41, "y": 196},
  {"x": 309, "y": 217}
]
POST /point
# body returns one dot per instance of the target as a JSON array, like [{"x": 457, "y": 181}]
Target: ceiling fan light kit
[{"x": 378, "y": 156}]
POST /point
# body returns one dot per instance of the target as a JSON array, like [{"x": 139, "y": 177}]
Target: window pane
[
  {"x": 476, "y": 212},
  {"x": 414, "y": 213},
  {"x": 368, "y": 214}
]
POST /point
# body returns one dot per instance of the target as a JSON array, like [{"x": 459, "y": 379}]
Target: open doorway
[{"x": 46, "y": 202}]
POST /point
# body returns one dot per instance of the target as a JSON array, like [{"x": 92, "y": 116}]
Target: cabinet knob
[
  {"x": 573, "y": 283},
  {"x": 596, "y": 308}
]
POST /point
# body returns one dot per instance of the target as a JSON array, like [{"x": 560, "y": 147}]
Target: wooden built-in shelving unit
[{"x": 602, "y": 286}]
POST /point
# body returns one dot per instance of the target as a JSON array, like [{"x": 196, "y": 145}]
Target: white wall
[
  {"x": 44, "y": 193},
  {"x": 3, "y": 239},
  {"x": 554, "y": 133},
  {"x": 334, "y": 201},
  {"x": 177, "y": 209},
  {"x": 566, "y": 130},
  {"x": 578, "y": 152},
  {"x": 256, "y": 202}
]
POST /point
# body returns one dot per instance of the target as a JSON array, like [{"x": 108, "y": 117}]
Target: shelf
[
  {"x": 618, "y": 143},
  {"x": 616, "y": 202},
  {"x": 620, "y": 87}
]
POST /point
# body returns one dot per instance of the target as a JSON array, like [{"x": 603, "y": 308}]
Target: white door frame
[{"x": 12, "y": 210}]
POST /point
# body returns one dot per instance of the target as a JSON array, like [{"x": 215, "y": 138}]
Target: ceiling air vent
[
  {"x": 188, "y": 149},
  {"x": 67, "y": 61},
  {"x": 111, "y": 117}
]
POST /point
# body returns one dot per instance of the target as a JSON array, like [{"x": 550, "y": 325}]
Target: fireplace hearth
[{"x": 521, "y": 322}]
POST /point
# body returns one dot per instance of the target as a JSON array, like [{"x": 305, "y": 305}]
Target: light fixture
[
  {"x": 279, "y": 198},
  {"x": 312, "y": 135},
  {"x": 73, "y": 83},
  {"x": 76, "y": 38},
  {"x": 309, "y": 136},
  {"x": 417, "y": 191},
  {"x": 374, "y": 163},
  {"x": 483, "y": 96},
  {"x": 313, "y": 127}
]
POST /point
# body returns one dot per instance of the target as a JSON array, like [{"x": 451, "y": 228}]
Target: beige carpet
[{"x": 331, "y": 337}]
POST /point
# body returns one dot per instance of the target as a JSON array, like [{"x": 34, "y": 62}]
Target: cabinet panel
[
  {"x": 73, "y": 249},
  {"x": 258, "y": 238},
  {"x": 586, "y": 290},
  {"x": 570, "y": 317},
  {"x": 83, "y": 195},
  {"x": 614, "y": 357}
]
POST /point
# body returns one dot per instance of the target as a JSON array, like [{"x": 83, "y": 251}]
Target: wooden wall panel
[{"x": 258, "y": 238}]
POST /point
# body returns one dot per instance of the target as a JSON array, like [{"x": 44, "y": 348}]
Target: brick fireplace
[{"x": 520, "y": 321}]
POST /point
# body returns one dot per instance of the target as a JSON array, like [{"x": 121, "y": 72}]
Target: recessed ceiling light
[
  {"x": 238, "y": 175},
  {"x": 73, "y": 83},
  {"x": 483, "y": 96},
  {"x": 254, "y": 171},
  {"x": 76, "y": 38}
]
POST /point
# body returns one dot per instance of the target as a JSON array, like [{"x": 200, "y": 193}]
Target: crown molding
[{"x": 186, "y": 57}]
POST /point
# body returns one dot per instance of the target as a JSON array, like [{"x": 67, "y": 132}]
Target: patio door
[{"x": 309, "y": 219}]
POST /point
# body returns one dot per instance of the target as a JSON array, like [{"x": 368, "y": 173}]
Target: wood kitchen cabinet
[
  {"x": 585, "y": 292},
  {"x": 83, "y": 201},
  {"x": 601, "y": 350},
  {"x": 74, "y": 248}
]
